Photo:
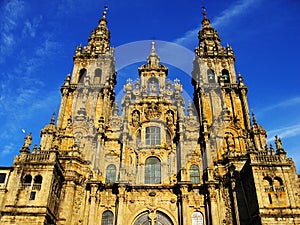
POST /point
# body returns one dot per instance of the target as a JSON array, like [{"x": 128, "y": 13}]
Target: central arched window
[
  {"x": 211, "y": 76},
  {"x": 153, "y": 135},
  {"x": 197, "y": 218},
  {"x": 195, "y": 174},
  {"x": 110, "y": 174},
  {"x": 107, "y": 218},
  {"x": 152, "y": 171}
]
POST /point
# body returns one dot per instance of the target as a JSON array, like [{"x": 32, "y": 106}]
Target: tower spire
[
  {"x": 153, "y": 58},
  {"x": 98, "y": 42}
]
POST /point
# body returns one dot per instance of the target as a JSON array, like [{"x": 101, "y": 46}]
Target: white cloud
[
  {"x": 8, "y": 149},
  {"x": 294, "y": 101},
  {"x": 229, "y": 14},
  {"x": 284, "y": 132},
  {"x": 12, "y": 13},
  {"x": 226, "y": 16}
]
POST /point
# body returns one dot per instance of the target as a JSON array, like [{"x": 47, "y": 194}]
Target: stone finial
[
  {"x": 279, "y": 148},
  {"x": 153, "y": 58},
  {"x": 27, "y": 142}
]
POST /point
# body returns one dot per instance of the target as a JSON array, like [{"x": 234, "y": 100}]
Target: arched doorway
[{"x": 159, "y": 218}]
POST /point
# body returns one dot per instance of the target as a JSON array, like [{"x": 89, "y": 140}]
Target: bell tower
[
  {"x": 220, "y": 97},
  {"x": 91, "y": 86},
  {"x": 88, "y": 94}
]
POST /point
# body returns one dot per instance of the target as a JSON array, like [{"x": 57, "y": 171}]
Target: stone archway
[{"x": 157, "y": 218}]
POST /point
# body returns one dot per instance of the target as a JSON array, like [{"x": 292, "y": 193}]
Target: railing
[
  {"x": 40, "y": 156},
  {"x": 36, "y": 187},
  {"x": 274, "y": 189}
]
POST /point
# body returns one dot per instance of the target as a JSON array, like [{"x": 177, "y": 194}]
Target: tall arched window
[
  {"x": 225, "y": 75},
  {"x": 268, "y": 184},
  {"x": 278, "y": 184},
  {"x": 107, "y": 218},
  {"x": 152, "y": 135},
  {"x": 82, "y": 74},
  {"x": 152, "y": 171},
  {"x": 197, "y": 218},
  {"x": 110, "y": 174},
  {"x": 195, "y": 174},
  {"x": 211, "y": 76},
  {"x": 37, "y": 182},
  {"x": 27, "y": 180},
  {"x": 97, "y": 77}
]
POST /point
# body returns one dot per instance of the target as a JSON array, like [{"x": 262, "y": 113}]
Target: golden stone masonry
[{"x": 149, "y": 159}]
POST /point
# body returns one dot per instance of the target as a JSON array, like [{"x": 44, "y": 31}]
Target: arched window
[
  {"x": 97, "y": 77},
  {"x": 195, "y": 174},
  {"x": 107, "y": 218},
  {"x": 27, "y": 180},
  {"x": 110, "y": 174},
  {"x": 225, "y": 75},
  {"x": 211, "y": 76},
  {"x": 82, "y": 74},
  {"x": 197, "y": 218},
  {"x": 152, "y": 171},
  {"x": 268, "y": 184},
  {"x": 37, "y": 182},
  {"x": 152, "y": 135},
  {"x": 278, "y": 184}
]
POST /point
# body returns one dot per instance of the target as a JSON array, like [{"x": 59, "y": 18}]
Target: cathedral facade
[{"x": 150, "y": 159}]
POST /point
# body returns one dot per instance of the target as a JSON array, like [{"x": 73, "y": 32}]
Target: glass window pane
[
  {"x": 153, "y": 136},
  {"x": 152, "y": 171},
  {"x": 110, "y": 174},
  {"x": 107, "y": 218},
  {"x": 195, "y": 174}
]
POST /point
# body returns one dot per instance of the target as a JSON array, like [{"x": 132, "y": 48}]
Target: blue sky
[{"x": 38, "y": 39}]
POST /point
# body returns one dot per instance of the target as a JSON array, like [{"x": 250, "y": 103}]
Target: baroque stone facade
[{"x": 148, "y": 159}]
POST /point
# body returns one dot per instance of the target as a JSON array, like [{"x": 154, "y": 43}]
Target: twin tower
[{"x": 149, "y": 159}]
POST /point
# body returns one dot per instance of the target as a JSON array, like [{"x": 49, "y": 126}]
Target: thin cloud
[
  {"x": 12, "y": 12},
  {"x": 229, "y": 14},
  {"x": 225, "y": 18},
  {"x": 284, "y": 132},
  {"x": 295, "y": 101}
]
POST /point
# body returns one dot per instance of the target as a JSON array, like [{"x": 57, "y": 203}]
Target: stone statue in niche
[
  {"x": 135, "y": 118},
  {"x": 169, "y": 118},
  {"x": 230, "y": 142},
  {"x": 152, "y": 88}
]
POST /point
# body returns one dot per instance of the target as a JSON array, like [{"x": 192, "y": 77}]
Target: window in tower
[
  {"x": 195, "y": 174},
  {"x": 27, "y": 180},
  {"x": 82, "y": 74},
  {"x": 97, "y": 77},
  {"x": 152, "y": 171},
  {"x": 107, "y": 218},
  {"x": 268, "y": 184},
  {"x": 153, "y": 135},
  {"x": 197, "y": 218},
  {"x": 37, "y": 182},
  {"x": 2, "y": 178},
  {"x": 278, "y": 184},
  {"x": 225, "y": 75},
  {"x": 110, "y": 174},
  {"x": 210, "y": 76},
  {"x": 32, "y": 195}
]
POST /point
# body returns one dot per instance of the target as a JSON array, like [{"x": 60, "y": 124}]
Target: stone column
[
  {"x": 121, "y": 219},
  {"x": 214, "y": 212},
  {"x": 67, "y": 211},
  {"x": 94, "y": 188},
  {"x": 184, "y": 207}
]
